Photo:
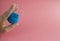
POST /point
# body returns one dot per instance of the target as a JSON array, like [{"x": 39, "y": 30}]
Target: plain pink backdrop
[{"x": 40, "y": 20}]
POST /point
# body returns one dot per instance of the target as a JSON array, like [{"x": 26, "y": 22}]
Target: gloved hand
[{"x": 3, "y": 27}]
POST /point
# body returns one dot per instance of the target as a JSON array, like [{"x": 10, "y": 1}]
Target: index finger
[{"x": 9, "y": 11}]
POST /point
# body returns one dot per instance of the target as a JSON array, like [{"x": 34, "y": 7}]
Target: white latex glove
[{"x": 4, "y": 17}]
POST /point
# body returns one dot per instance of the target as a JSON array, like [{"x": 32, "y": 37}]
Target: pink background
[{"x": 40, "y": 20}]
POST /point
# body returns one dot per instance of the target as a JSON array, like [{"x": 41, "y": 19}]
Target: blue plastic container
[{"x": 13, "y": 18}]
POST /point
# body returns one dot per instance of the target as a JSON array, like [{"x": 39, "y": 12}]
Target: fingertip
[{"x": 15, "y": 6}]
